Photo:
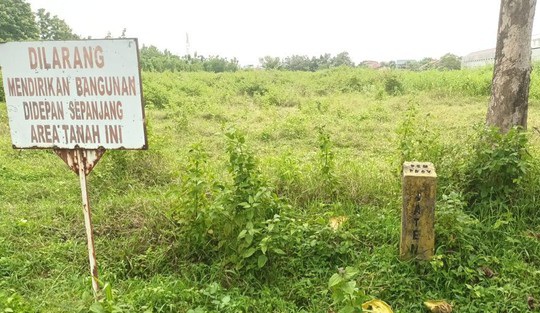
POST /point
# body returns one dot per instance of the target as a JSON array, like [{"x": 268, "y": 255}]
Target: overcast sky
[{"x": 380, "y": 30}]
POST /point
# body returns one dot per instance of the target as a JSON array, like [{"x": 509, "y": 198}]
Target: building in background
[
  {"x": 487, "y": 57},
  {"x": 370, "y": 64},
  {"x": 403, "y": 63}
]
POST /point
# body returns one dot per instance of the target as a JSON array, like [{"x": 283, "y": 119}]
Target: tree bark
[{"x": 508, "y": 106}]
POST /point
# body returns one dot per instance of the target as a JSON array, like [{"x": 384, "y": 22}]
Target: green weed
[
  {"x": 497, "y": 164},
  {"x": 345, "y": 293},
  {"x": 326, "y": 162}
]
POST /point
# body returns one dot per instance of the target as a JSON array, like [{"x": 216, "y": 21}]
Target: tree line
[
  {"x": 18, "y": 23},
  {"x": 304, "y": 63},
  {"x": 154, "y": 60}
]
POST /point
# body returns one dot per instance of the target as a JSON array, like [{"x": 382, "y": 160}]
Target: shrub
[
  {"x": 194, "y": 216},
  {"x": 455, "y": 230},
  {"x": 393, "y": 86},
  {"x": 417, "y": 140},
  {"x": 155, "y": 95},
  {"x": 230, "y": 221},
  {"x": 496, "y": 166},
  {"x": 250, "y": 203},
  {"x": 326, "y": 162}
]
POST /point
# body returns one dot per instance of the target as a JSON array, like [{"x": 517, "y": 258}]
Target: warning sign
[{"x": 74, "y": 94}]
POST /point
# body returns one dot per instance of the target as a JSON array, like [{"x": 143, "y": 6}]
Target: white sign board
[{"x": 74, "y": 94}]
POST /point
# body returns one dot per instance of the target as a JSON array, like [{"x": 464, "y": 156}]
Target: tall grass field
[{"x": 259, "y": 186}]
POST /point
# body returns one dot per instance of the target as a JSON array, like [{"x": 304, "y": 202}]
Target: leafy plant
[
  {"x": 346, "y": 295},
  {"x": 12, "y": 302},
  {"x": 251, "y": 202},
  {"x": 326, "y": 161},
  {"x": 418, "y": 140},
  {"x": 496, "y": 166},
  {"x": 250, "y": 192},
  {"x": 455, "y": 230},
  {"x": 107, "y": 303},
  {"x": 194, "y": 215}
]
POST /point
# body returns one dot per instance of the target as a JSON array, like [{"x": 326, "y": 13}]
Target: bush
[
  {"x": 250, "y": 203},
  {"x": 155, "y": 95},
  {"x": 326, "y": 162},
  {"x": 496, "y": 166},
  {"x": 418, "y": 140},
  {"x": 393, "y": 86},
  {"x": 229, "y": 221},
  {"x": 194, "y": 216}
]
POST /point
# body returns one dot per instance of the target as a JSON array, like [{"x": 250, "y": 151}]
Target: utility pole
[{"x": 188, "y": 52}]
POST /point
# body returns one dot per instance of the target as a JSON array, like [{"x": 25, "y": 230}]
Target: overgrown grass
[{"x": 259, "y": 185}]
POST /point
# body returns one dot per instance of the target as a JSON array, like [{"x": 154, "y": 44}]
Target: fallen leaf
[
  {"x": 336, "y": 222},
  {"x": 438, "y": 306},
  {"x": 377, "y": 306},
  {"x": 488, "y": 272},
  {"x": 530, "y": 303}
]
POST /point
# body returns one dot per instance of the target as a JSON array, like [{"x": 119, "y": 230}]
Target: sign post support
[
  {"x": 88, "y": 223},
  {"x": 82, "y": 161}
]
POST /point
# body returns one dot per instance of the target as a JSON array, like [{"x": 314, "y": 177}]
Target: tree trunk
[{"x": 512, "y": 74}]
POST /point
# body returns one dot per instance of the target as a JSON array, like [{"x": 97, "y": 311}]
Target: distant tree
[
  {"x": 270, "y": 63},
  {"x": 154, "y": 60},
  {"x": 17, "y": 21},
  {"x": 427, "y": 64},
  {"x": 389, "y": 64},
  {"x": 324, "y": 61},
  {"x": 297, "y": 63},
  {"x": 151, "y": 59},
  {"x": 449, "y": 61},
  {"x": 218, "y": 65},
  {"x": 342, "y": 59},
  {"x": 53, "y": 28},
  {"x": 150, "y": 51},
  {"x": 305, "y": 63},
  {"x": 313, "y": 64},
  {"x": 301, "y": 62},
  {"x": 411, "y": 65}
]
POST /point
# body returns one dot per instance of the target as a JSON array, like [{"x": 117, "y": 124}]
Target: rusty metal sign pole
[
  {"x": 88, "y": 223},
  {"x": 82, "y": 161}
]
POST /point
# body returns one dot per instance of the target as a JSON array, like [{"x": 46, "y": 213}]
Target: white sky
[{"x": 380, "y": 30}]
